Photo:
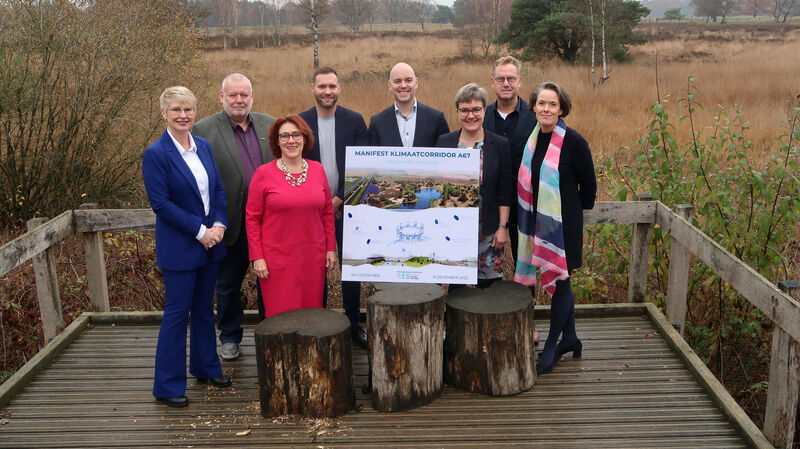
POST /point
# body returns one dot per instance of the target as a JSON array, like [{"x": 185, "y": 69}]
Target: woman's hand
[
  {"x": 330, "y": 259},
  {"x": 260, "y": 267},
  {"x": 500, "y": 237}
]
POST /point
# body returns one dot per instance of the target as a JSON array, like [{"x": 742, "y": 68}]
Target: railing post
[
  {"x": 95, "y": 267},
  {"x": 678, "y": 283},
  {"x": 44, "y": 270},
  {"x": 784, "y": 381},
  {"x": 640, "y": 246}
]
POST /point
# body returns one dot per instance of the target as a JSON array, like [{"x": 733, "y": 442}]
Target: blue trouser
[
  {"x": 351, "y": 290},
  {"x": 187, "y": 293},
  {"x": 232, "y": 271}
]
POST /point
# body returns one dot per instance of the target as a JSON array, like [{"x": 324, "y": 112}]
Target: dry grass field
[{"x": 752, "y": 66}]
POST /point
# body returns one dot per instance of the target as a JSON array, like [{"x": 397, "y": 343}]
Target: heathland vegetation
[{"x": 701, "y": 113}]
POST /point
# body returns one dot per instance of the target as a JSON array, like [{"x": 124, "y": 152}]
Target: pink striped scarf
[{"x": 543, "y": 246}]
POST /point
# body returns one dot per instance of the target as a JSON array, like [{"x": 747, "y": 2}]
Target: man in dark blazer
[
  {"x": 334, "y": 129},
  {"x": 510, "y": 117},
  {"x": 238, "y": 138},
  {"x": 407, "y": 123}
]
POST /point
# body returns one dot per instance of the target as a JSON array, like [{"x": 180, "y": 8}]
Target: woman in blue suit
[{"x": 186, "y": 193}]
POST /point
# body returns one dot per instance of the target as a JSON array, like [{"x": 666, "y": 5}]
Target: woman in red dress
[{"x": 289, "y": 218}]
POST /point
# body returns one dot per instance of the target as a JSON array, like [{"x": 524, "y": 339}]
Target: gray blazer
[{"x": 219, "y": 133}]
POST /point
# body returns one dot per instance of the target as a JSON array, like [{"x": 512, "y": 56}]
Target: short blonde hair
[
  {"x": 177, "y": 94},
  {"x": 503, "y": 60}
]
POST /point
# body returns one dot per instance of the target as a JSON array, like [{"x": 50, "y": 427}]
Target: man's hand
[
  {"x": 337, "y": 207},
  {"x": 260, "y": 267}
]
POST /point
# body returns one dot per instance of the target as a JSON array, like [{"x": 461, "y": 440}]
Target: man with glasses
[
  {"x": 334, "y": 129},
  {"x": 407, "y": 123},
  {"x": 510, "y": 117},
  {"x": 238, "y": 139}
]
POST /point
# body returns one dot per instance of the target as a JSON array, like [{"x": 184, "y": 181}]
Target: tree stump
[
  {"x": 405, "y": 332},
  {"x": 489, "y": 346},
  {"x": 305, "y": 364}
]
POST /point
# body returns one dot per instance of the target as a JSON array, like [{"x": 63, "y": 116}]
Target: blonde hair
[
  {"x": 503, "y": 60},
  {"x": 177, "y": 94}
]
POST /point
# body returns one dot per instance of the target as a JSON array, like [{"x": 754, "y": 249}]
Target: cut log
[
  {"x": 405, "y": 332},
  {"x": 489, "y": 346},
  {"x": 304, "y": 360}
]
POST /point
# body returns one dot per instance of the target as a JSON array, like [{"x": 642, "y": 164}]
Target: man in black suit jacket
[
  {"x": 334, "y": 129},
  {"x": 510, "y": 117},
  {"x": 407, "y": 123}
]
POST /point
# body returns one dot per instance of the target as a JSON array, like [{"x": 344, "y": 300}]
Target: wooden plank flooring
[{"x": 629, "y": 391}]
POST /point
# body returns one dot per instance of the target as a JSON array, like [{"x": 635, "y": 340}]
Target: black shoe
[
  {"x": 359, "y": 335},
  {"x": 177, "y": 401},
  {"x": 219, "y": 382},
  {"x": 576, "y": 349}
]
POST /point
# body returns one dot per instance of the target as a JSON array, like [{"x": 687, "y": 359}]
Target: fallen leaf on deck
[{"x": 244, "y": 432}]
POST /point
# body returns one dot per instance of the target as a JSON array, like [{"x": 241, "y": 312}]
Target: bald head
[{"x": 403, "y": 84}]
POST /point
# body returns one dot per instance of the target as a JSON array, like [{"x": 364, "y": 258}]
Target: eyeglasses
[
  {"x": 295, "y": 135},
  {"x": 464, "y": 112},
  {"x": 502, "y": 79},
  {"x": 178, "y": 110}
]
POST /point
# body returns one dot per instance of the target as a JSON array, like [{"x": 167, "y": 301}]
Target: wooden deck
[{"x": 630, "y": 390}]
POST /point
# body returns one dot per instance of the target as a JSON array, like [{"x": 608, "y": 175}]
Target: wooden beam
[
  {"x": 640, "y": 247},
  {"x": 95, "y": 266},
  {"x": 784, "y": 382},
  {"x": 17, "y": 382},
  {"x": 678, "y": 284},
  {"x": 776, "y": 305},
  {"x": 105, "y": 220},
  {"x": 621, "y": 212},
  {"x": 44, "y": 271},
  {"x": 743, "y": 424},
  {"x": 33, "y": 242}
]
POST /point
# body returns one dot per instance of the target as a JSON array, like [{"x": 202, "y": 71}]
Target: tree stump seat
[
  {"x": 304, "y": 361},
  {"x": 489, "y": 341},
  {"x": 405, "y": 332}
]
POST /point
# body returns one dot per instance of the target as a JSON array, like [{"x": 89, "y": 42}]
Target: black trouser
[{"x": 351, "y": 290}]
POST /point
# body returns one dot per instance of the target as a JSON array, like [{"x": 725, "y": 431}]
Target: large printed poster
[{"x": 411, "y": 215}]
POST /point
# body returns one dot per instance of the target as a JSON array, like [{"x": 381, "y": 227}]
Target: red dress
[{"x": 291, "y": 228}]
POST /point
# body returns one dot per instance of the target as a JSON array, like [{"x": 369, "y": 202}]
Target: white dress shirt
[{"x": 407, "y": 125}]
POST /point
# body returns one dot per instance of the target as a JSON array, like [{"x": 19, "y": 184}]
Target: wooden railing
[{"x": 780, "y": 307}]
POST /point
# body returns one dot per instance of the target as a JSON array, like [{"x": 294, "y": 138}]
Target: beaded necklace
[{"x": 291, "y": 179}]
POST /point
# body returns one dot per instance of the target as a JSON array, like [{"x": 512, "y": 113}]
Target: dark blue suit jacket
[
  {"x": 350, "y": 131},
  {"x": 498, "y": 184},
  {"x": 430, "y": 125},
  {"x": 175, "y": 198}
]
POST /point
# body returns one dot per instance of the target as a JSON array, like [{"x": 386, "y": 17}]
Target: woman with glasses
[
  {"x": 496, "y": 183},
  {"x": 289, "y": 221},
  {"x": 186, "y": 194}
]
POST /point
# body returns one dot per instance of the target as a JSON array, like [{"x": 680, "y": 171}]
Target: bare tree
[
  {"x": 315, "y": 12},
  {"x": 715, "y": 8},
  {"x": 421, "y": 10},
  {"x": 223, "y": 8},
  {"x": 393, "y": 10},
  {"x": 236, "y": 13},
  {"x": 782, "y": 9},
  {"x": 76, "y": 108},
  {"x": 353, "y": 13},
  {"x": 372, "y": 9},
  {"x": 601, "y": 22}
]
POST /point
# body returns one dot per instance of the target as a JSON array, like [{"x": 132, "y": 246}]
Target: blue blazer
[
  {"x": 430, "y": 125},
  {"x": 350, "y": 130},
  {"x": 175, "y": 198}
]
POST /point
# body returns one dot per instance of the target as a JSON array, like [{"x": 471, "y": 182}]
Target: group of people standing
[{"x": 240, "y": 187}]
